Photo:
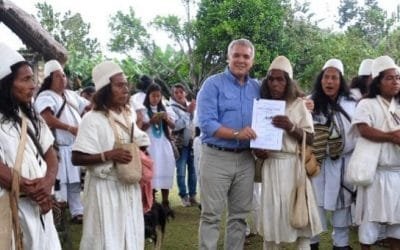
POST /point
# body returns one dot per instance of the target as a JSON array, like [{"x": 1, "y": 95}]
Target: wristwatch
[{"x": 236, "y": 134}]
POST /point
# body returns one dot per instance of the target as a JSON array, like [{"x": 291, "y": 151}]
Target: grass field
[{"x": 181, "y": 233}]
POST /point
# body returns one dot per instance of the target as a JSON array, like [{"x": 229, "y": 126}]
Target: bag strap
[
  {"x": 387, "y": 113},
  {"x": 14, "y": 193},
  {"x": 128, "y": 129},
  {"x": 179, "y": 107},
  {"x": 59, "y": 112},
  {"x": 301, "y": 170}
]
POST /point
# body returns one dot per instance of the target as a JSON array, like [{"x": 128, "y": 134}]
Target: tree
[
  {"x": 369, "y": 22},
  {"x": 219, "y": 22},
  {"x": 73, "y": 33},
  {"x": 130, "y": 36},
  {"x": 128, "y": 33},
  {"x": 348, "y": 12}
]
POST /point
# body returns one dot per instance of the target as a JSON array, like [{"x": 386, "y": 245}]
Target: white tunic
[
  {"x": 162, "y": 154},
  {"x": 278, "y": 182},
  {"x": 75, "y": 105},
  {"x": 36, "y": 237},
  {"x": 380, "y": 201},
  {"x": 328, "y": 184},
  {"x": 113, "y": 214}
]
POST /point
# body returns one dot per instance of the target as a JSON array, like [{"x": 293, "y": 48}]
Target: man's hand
[{"x": 246, "y": 133}]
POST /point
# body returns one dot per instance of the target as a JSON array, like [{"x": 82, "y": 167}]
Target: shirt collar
[{"x": 233, "y": 78}]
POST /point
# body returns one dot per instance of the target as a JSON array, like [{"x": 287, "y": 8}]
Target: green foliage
[
  {"x": 72, "y": 31},
  {"x": 167, "y": 66},
  {"x": 127, "y": 31},
  {"x": 219, "y": 22}
]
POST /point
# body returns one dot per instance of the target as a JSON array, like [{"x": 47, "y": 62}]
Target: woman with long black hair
[{"x": 333, "y": 111}]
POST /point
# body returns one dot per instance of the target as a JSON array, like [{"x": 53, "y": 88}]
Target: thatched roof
[{"x": 29, "y": 30}]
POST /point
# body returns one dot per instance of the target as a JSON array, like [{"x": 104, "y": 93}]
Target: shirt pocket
[{"x": 228, "y": 102}]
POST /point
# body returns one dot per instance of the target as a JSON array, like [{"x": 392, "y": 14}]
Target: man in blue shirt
[{"x": 225, "y": 104}]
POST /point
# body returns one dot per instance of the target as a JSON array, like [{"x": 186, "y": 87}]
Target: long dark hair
[
  {"x": 291, "y": 90},
  {"x": 374, "y": 87},
  {"x": 46, "y": 85},
  {"x": 102, "y": 98},
  {"x": 160, "y": 106},
  {"x": 321, "y": 100},
  {"x": 361, "y": 83},
  {"x": 10, "y": 107}
]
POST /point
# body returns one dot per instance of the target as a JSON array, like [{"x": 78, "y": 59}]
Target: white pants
[
  {"x": 341, "y": 220},
  {"x": 71, "y": 192},
  {"x": 369, "y": 232}
]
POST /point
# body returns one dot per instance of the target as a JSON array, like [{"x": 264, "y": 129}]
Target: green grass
[{"x": 182, "y": 232}]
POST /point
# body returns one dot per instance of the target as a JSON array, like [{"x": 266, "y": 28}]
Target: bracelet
[
  {"x": 103, "y": 157},
  {"x": 292, "y": 129}
]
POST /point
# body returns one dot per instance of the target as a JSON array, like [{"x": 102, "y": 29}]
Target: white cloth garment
[
  {"x": 162, "y": 154},
  {"x": 380, "y": 201},
  {"x": 35, "y": 235},
  {"x": 278, "y": 182},
  {"x": 327, "y": 184},
  {"x": 113, "y": 214},
  {"x": 71, "y": 115}
]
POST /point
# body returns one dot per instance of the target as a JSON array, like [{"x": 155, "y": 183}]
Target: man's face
[
  {"x": 240, "y": 60},
  {"x": 120, "y": 90}
]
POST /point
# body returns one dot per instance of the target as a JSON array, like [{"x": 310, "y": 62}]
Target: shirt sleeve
[
  {"x": 45, "y": 101},
  {"x": 305, "y": 122},
  {"x": 363, "y": 113},
  {"x": 87, "y": 139},
  {"x": 83, "y": 103},
  {"x": 46, "y": 137},
  {"x": 208, "y": 108}
]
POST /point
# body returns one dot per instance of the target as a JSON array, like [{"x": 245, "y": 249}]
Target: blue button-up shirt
[{"x": 222, "y": 101}]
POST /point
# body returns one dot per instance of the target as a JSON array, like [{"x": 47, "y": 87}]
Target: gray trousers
[{"x": 226, "y": 179}]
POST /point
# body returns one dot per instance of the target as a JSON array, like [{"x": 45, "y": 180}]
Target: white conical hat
[
  {"x": 282, "y": 63},
  {"x": 382, "y": 63},
  {"x": 102, "y": 72},
  {"x": 8, "y": 57},
  {"x": 334, "y": 63},
  {"x": 365, "y": 68},
  {"x": 51, "y": 66}
]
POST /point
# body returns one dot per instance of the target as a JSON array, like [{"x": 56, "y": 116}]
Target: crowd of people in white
[{"x": 50, "y": 135}]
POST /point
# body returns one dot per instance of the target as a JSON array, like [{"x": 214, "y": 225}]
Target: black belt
[{"x": 232, "y": 150}]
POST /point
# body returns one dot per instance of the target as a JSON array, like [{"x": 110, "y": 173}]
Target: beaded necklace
[{"x": 156, "y": 129}]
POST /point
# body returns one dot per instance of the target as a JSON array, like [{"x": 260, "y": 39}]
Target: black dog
[{"x": 154, "y": 224}]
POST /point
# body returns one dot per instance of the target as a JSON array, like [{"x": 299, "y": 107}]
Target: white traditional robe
[
  {"x": 35, "y": 235},
  {"x": 380, "y": 201},
  {"x": 328, "y": 183},
  {"x": 113, "y": 214},
  {"x": 162, "y": 154},
  {"x": 71, "y": 115},
  {"x": 278, "y": 182}
]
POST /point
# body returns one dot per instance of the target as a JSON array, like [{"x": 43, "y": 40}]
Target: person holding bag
[
  {"x": 113, "y": 213},
  {"x": 334, "y": 108},
  {"x": 28, "y": 162},
  {"x": 283, "y": 172},
  {"x": 377, "y": 119}
]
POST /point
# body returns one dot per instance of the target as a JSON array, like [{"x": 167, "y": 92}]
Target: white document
[{"x": 268, "y": 136}]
